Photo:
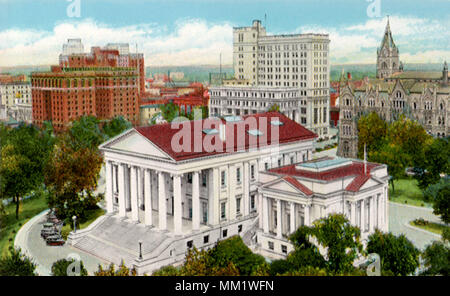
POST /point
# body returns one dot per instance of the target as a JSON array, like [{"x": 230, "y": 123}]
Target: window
[
  {"x": 284, "y": 249},
  {"x": 223, "y": 180},
  {"x": 189, "y": 178},
  {"x": 206, "y": 239},
  {"x": 240, "y": 228},
  {"x": 190, "y": 244},
  {"x": 223, "y": 210},
  {"x": 238, "y": 175},
  {"x": 204, "y": 180},
  {"x": 271, "y": 246},
  {"x": 252, "y": 202},
  {"x": 279, "y": 162},
  {"x": 225, "y": 233},
  {"x": 266, "y": 166},
  {"x": 238, "y": 205},
  {"x": 292, "y": 159},
  {"x": 252, "y": 171}
]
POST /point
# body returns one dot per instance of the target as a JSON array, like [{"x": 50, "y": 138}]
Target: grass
[
  {"x": 431, "y": 226},
  {"x": 28, "y": 209},
  {"x": 407, "y": 192},
  {"x": 91, "y": 216}
]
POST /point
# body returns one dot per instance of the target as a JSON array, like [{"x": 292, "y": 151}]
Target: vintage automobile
[
  {"x": 47, "y": 232},
  {"x": 55, "y": 240}
]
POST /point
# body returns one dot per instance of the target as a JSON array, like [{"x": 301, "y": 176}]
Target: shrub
[
  {"x": 61, "y": 267},
  {"x": 16, "y": 264}
]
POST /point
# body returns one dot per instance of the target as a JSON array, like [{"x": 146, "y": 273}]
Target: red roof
[
  {"x": 357, "y": 183},
  {"x": 354, "y": 169},
  {"x": 161, "y": 135},
  {"x": 298, "y": 185}
]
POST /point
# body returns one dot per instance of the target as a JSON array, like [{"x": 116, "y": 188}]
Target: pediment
[
  {"x": 370, "y": 183},
  {"x": 284, "y": 186},
  {"x": 133, "y": 142}
]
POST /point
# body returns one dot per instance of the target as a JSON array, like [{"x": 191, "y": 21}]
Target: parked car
[{"x": 56, "y": 240}]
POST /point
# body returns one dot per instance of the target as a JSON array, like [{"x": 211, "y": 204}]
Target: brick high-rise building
[{"x": 103, "y": 83}]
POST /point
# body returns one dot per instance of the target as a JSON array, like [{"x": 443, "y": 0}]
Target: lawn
[
  {"x": 91, "y": 216},
  {"x": 431, "y": 226},
  {"x": 407, "y": 192},
  {"x": 28, "y": 209}
]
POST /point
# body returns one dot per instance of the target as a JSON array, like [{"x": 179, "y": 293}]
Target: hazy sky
[{"x": 176, "y": 32}]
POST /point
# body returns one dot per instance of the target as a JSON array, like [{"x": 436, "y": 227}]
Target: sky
[{"x": 196, "y": 32}]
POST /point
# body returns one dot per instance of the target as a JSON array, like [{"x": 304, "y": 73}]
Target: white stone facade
[
  {"x": 298, "y": 61},
  {"x": 194, "y": 201},
  {"x": 304, "y": 197}
]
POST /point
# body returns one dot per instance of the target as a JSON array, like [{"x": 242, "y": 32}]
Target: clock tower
[{"x": 388, "y": 61}]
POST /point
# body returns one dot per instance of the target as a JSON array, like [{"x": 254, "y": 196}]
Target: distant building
[
  {"x": 298, "y": 194},
  {"x": 16, "y": 99},
  {"x": 421, "y": 96},
  {"x": 98, "y": 83},
  {"x": 262, "y": 61}
]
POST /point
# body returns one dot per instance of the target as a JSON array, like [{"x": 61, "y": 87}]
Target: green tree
[
  {"x": 60, "y": 267},
  {"x": 71, "y": 176},
  {"x": 274, "y": 108},
  {"x": 24, "y": 153},
  {"x": 395, "y": 158},
  {"x": 168, "y": 270},
  {"x": 341, "y": 239},
  {"x": 305, "y": 253},
  {"x": 372, "y": 131},
  {"x": 278, "y": 267},
  {"x": 112, "y": 271},
  {"x": 432, "y": 162},
  {"x": 437, "y": 259},
  {"x": 169, "y": 111},
  {"x": 410, "y": 136},
  {"x": 397, "y": 253},
  {"x": 16, "y": 264},
  {"x": 441, "y": 203},
  {"x": 235, "y": 251},
  {"x": 85, "y": 133},
  {"x": 115, "y": 127}
]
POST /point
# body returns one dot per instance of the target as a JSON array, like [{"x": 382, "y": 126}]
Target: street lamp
[
  {"x": 140, "y": 250},
  {"x": 74, "y": 218}
]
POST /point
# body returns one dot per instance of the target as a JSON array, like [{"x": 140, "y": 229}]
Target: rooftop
[{"x": 161, "y": 135}]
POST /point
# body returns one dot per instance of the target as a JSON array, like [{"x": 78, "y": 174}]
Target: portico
[{"x": 297, "y": 195}]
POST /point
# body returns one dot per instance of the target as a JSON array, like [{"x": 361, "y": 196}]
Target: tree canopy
[
  {"x": 16, "y": 264},
  {"x": 397, "y": 253}
]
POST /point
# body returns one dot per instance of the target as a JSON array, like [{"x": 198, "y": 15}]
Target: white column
[
  {"x": 109, "y": 187},
  {"x": 260, "y": 211},
  {"x": 371, "y": 213},
  {"x": 134, "y": 194},
  {"x": 306, "y": 215},
  {"x": 265, "y": 213},
  {"x": 148, "y": 198},
  {"x": 214, "y": 207},
  {"x": 292, "y": 222},
  {"x": 195, "y": 201},
  {"x": 162, "y": 205},
  {"x": 353, "y": 213},
  {"x": 246, "y": 179},
  {"x": 122, "y": 202},
  {"x": 177, "y": 207},
  {"x": 386, "y": 209},
  {"x": 279, "y": 223},
  {"x": 363, "y": 216}
]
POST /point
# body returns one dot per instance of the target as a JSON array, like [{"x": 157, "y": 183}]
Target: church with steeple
[
  {"x": 422, "y": 96},
  {"x": 388, "y": 61}
]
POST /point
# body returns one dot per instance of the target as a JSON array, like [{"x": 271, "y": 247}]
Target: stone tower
[
  {"x": 445, "y": 73},
  {"x": 387, "y": 55},
  {"x": 348, "y": 130}
]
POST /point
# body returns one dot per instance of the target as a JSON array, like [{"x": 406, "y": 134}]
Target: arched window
[{"x": 398, "y": 94}]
